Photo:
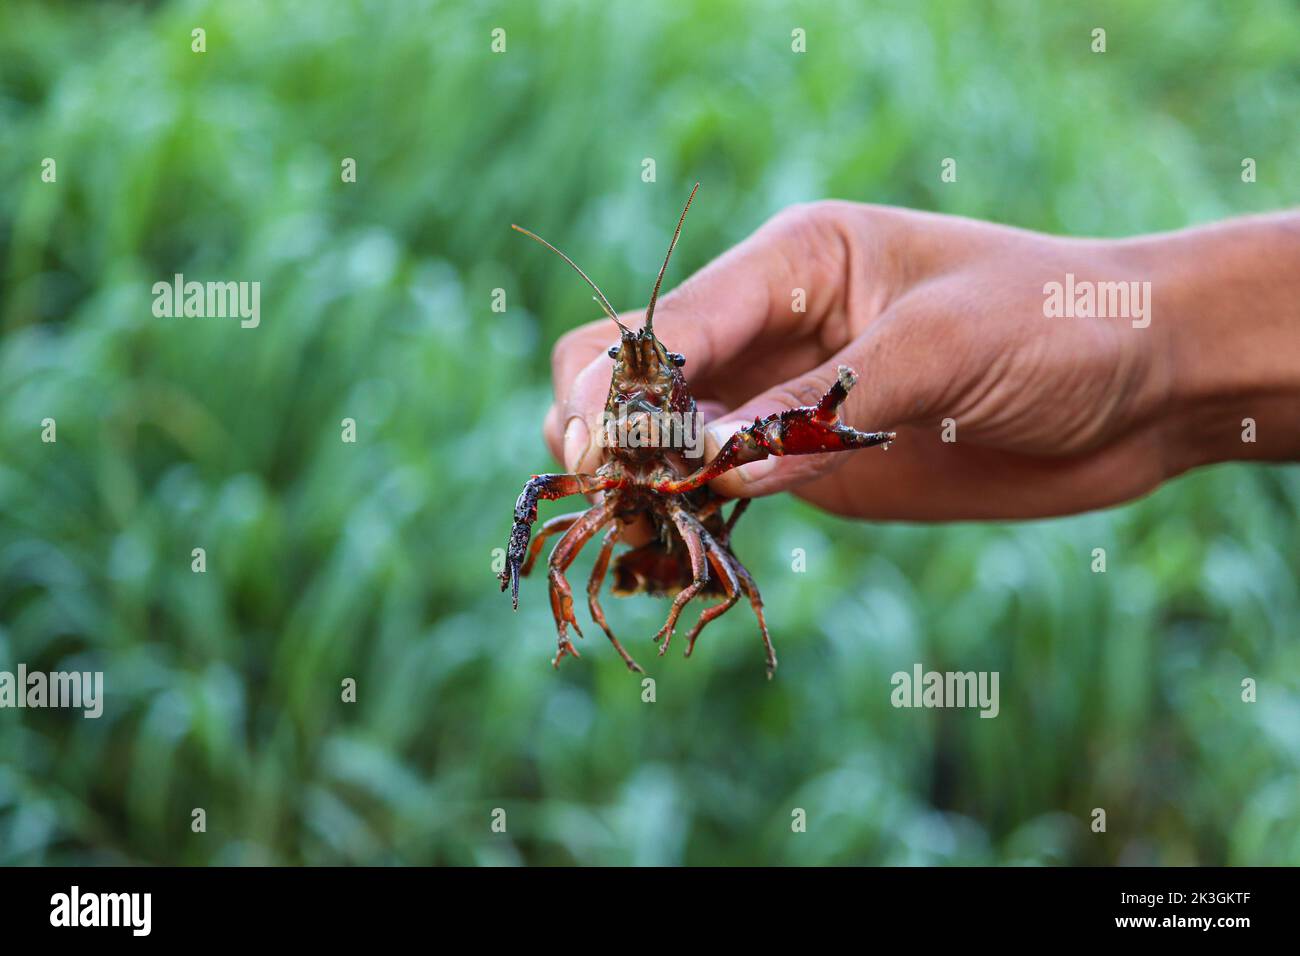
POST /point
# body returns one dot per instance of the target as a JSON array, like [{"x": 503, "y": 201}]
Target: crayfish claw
[
  {"x": 565, "y": 647},
  {"x": 510, "y": 579},
  {"x": 666, "y": 635}
]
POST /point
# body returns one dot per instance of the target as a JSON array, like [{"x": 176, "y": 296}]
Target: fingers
[
  {"x": 789, "y": 274},
  {"x": 897, "y": 385},
  {"x": 572, "y": 425},
  {"x": 923, "y": 478}
]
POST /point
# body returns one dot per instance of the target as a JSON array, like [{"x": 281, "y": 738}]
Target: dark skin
[
  {"x": 945, "y": 317},
  {"x": 690, "y": 552}
]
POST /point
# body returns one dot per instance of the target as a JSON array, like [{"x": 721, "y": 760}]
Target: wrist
[{"x": 1227, "y": 306}]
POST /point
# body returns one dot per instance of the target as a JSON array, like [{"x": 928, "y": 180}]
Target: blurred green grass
[{"x": 372, "y": 560}]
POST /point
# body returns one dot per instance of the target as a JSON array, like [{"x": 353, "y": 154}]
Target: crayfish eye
[
  {"x": 613, "y": 351},
  {"x": 677, "y": 358}
]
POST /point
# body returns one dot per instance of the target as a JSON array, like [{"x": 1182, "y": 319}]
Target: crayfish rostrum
[{"x": 690, "y": 554}]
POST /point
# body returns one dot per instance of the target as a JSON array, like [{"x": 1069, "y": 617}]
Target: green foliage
[{"x": 372, "y": 560}]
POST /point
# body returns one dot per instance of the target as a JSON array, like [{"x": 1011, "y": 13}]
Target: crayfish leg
[
  {"x": 689, "y": 529},
  {"x": 732, "y": 518},
  {"x": 548, "y": 529},
  {"x": 756, "y": 602},
  {"x": 721, "y": 562},
  {"x": 579, "y": 533},
  {"x": 594, "y": 584}
]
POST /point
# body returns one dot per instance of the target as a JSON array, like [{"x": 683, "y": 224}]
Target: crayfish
[{"x": 690, "y": 554}]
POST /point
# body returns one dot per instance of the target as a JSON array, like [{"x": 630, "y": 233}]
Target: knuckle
[
  {"x": 682, "y": 298},
  {"x": 574, "y": 350},
  {"x": 808, "y": 218},
  {"x": 827, "y": 223},
  {"x": 564, "y": 346},
  {"x": 797, "y": 394}
]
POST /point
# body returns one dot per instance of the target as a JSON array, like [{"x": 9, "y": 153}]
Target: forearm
[{"x": 1226, "y": 301}]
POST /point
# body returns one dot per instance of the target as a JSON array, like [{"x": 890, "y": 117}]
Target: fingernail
[
  {"x": 576, "y": 439},
  {"x": 721, "y": 431},
  {"x": 757, "y": 469}
]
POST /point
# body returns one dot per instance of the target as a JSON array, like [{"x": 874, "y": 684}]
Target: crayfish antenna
[
  {"x": 600, "y": 296},
  {"x": 654, "y": 296}
]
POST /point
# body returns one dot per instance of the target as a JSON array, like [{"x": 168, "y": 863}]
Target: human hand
[{"x": 1001, "y": 411}]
